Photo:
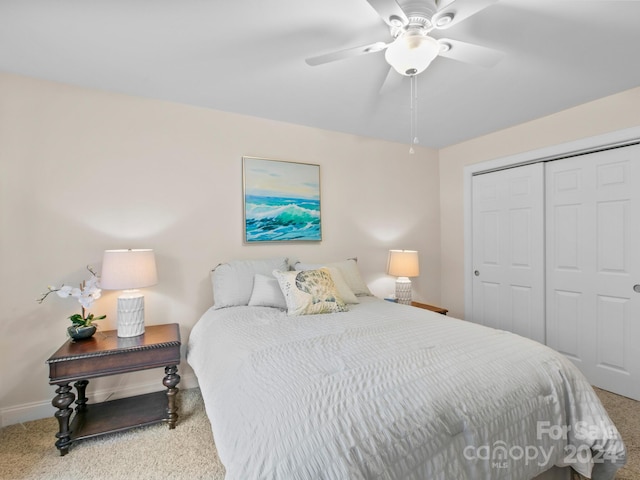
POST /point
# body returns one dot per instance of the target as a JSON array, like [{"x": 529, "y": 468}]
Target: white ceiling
[{"x": 247, "y": 56}]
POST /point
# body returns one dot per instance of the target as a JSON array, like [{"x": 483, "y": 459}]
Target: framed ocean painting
[{"x": 281, "y": 201}]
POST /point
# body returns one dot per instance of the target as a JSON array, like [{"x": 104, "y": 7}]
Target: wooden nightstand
[
  {"x": 433, "y": 308},
  {"x": 107, "y": 354}
]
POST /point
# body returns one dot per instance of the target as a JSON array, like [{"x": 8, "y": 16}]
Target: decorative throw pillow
[
  {"x": 233, "y": 281},
  {"x": 309, "y": 292},
  {"x": 266, "y": 292},
  {"x": 349, "y": 270}
]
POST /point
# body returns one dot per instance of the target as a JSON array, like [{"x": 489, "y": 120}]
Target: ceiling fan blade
[
  {"x": 457, "y": 11},
  {"x": 390, "y": 12},
  {"x": 469, "y": 53},
  {"x": 392, "y": 81},
  {"x": 346, "y": 53}
]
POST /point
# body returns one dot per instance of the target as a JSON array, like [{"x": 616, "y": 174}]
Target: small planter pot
[{"x": 81, "y": 333}]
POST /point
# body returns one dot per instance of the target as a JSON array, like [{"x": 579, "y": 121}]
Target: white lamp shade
[
  {"x": 128, "y": 269},
  {"x": 403, "y": 263},
  {"x": 411, "y": 53}
]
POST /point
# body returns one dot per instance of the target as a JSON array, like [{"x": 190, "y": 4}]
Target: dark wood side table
[
  {"x": 106, "y": 354},
  {"x": 433, "y": 308}
]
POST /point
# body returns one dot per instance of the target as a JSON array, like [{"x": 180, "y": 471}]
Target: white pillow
[
  {"x": 341, "y": 285},
  {"x": 301, "y": 267},
  {"x": 267, "y": 292},
  {"x": 349, "y": 270},
  {"x": 233, "y": 281},
  {"x": 351, "y": 274},
  {"x": 309, "y": 292}
]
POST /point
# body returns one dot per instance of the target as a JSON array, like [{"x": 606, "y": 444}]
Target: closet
[
  {"x": 556, "y": 258},
  {"x": 508, "y": 250}
]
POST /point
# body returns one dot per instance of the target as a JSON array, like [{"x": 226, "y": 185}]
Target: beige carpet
[
  {"x": 27, "y": 451},
  {"x": 625, "y": 413}
]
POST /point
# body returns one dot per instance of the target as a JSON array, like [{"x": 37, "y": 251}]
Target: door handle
[
  {"x": 477, "y": 274},
  {"x": 636, "y": 288}
]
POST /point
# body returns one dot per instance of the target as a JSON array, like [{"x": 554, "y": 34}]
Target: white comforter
[{"x": 387, "y": 391}]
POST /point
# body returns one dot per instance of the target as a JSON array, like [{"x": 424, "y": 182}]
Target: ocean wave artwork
[
  {"x": 281, "y": 218},
  {"x": 281, "y": 201}
]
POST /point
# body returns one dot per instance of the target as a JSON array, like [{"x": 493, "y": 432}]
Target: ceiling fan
[{"x": 412, "y": 48}]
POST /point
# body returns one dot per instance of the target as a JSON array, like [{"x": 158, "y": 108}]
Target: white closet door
[
  {"x": 508, "y": 250},
  {"x": 593, "y": 264}
]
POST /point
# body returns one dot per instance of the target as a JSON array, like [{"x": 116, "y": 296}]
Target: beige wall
[
  {"x": 594, "y": 118},
  {"x": 82, "y": 171}
]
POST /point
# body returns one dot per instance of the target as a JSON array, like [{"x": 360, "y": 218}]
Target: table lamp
[
  {"x": 403, "y": 264},
  {"x": 129, "y": 270}
]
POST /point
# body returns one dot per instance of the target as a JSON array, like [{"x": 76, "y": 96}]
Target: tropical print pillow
[{"x": 310, "y": 292}]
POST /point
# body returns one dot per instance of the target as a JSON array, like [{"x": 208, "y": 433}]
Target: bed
[{"x": 379, "y": 390}]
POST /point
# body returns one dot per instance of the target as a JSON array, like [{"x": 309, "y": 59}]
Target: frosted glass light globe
[{"x": 411, "y": 53}]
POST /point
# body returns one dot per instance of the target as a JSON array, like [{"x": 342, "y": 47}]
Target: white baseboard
[
  {"x": 37, "y": 410},
  {"x": 26, "y": 413}
]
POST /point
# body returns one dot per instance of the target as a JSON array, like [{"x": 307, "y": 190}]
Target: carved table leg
[
  {"x": 171, "y": 379},
  {"x": 81, "y": 402},
  {"x": 61, "y": 401}
]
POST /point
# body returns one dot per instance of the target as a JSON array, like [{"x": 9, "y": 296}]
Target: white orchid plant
[{"x": 88, "y": 292}]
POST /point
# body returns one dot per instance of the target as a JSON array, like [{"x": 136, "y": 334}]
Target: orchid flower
[{"x": 88, "y": 293}]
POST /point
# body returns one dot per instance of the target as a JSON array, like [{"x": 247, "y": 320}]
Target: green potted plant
[{"x": 88, "y": 292}]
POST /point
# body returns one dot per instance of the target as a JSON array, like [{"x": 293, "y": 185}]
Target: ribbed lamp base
[
  {"x": 403, "y": 290},
  {"x": 130, "y": 315}
]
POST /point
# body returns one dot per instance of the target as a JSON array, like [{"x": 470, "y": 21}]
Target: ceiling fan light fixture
[{"x": 411, "y": 53}]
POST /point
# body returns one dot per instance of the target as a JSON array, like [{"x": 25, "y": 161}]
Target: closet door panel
[
  {"x": 508, "y": 250},
  {"x": 612, "y": 320},
  {"x": 566, "y": 238},
  {"x": 521, "y": 311},
  {"x": 593, "y": 244},
  {"x": 566, "y": 305},
  {"x": 612, "y": 248}
]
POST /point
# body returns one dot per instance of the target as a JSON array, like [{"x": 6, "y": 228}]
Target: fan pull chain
[{"x": 414, "y": 112}]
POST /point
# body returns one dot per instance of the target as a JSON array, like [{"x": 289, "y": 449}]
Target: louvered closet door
[
  {"x": 508, "y": 250},
  {"x": 593, "y": 264}
]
